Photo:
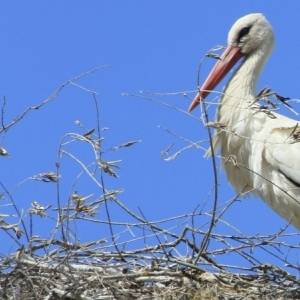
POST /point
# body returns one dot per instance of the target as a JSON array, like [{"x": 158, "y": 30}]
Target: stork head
[
  {"x": 247, "y": 36},
  {"x": 251, "y": 33}
]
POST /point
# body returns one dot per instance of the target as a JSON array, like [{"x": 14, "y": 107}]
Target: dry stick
[
  {"x": 141, "y": 224},
  {"x": 30, "y": 231},
  {"x": 148, "y": 98},
  {"x": 12, "y": 237},
  {"x": 160, "y": 244},
  {"x": 68, "y": 209},
  {"x": 59, "y": 153},
  {"x": 44, "y": 102},
  {"x": 94, "y": 96},
  {"x": 266, "y": 241},
  {"x": 60, "y": 216},
  {"x": 205, "y": 240},
  {"x": 16, "y": 209},
  {"x": 3, "y": 112},
  {"x": 193, "y": 226}
]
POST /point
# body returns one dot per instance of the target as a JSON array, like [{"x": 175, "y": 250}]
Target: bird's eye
[{"x": 244, "y": 31}]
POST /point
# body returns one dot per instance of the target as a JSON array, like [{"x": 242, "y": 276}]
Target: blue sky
[{"x": 150, "y": 46}]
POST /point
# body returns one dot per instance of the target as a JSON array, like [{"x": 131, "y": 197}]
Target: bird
[{"x": 259, "y": 148}]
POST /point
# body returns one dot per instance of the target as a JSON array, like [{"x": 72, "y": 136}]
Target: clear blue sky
[{"x": 152, "y": 46}]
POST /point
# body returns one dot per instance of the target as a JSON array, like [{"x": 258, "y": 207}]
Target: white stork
[{"x": 260, "y": 151}]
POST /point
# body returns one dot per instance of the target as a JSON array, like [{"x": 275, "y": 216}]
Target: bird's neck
[
  {"x": 240, "y": 90},
  {"x": 238, "y": 96}
]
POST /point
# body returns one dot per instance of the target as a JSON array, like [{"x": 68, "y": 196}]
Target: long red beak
[{"x": 228, "y": 59}]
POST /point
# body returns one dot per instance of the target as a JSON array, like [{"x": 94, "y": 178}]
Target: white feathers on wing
[{"x": 260, "y": 151}]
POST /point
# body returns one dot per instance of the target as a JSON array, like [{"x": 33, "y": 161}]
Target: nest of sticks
[{"x": 74, "y": 271}]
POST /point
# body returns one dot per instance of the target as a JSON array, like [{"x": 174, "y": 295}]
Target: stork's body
[{"x": 259, "y": 150}]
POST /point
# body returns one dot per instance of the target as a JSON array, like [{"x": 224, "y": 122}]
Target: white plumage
[{"x": 260, "y": 151}]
